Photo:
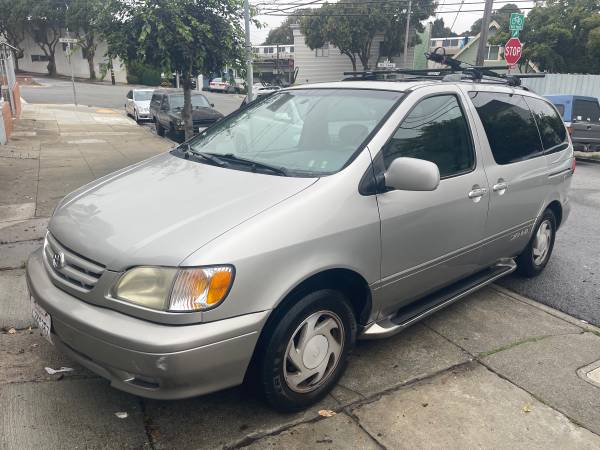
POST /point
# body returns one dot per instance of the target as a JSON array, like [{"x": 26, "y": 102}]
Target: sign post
[{"x": 70, "y": 42}]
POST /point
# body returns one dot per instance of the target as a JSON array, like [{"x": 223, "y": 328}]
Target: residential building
[
  {"x": 328, "y": 64},
  {"x": 34, "y": 60},
  {"x": 273, "y": 63}
]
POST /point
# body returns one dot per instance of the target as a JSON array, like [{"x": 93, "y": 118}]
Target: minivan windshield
[
  {"x": 142, "y": 96},
  {"x": 198, "y": 101},
  {"x": 306, "y": 132}
]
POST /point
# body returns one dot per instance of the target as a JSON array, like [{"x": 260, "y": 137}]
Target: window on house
[
  {"x": 322, "y": 51},
  {"x": 39, "y": 58},
  {"x": 292, "y": 49}
]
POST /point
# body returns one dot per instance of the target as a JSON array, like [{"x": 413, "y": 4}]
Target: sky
[{"x": 463, "y": 20}]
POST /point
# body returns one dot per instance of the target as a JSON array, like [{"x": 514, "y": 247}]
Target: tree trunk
[
  {"x": 51, "y": 67},
  {"x": 90, "y": 60},
  {"x": 187, "y": 105}
]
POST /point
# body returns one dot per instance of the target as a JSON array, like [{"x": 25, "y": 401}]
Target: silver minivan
[{"x": 265, "y": 246}]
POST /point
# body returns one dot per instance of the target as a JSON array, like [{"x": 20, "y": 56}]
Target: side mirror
[{"x": 411, "y": 174}]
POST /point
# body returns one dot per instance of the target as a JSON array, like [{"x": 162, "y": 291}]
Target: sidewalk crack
[{"x": 356, "y": 420}]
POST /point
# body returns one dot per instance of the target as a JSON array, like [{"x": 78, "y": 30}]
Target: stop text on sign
[{"x": 512, "y": 51}]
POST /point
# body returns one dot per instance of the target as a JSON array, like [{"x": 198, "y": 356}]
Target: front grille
[{"x": 72, "y": 269}]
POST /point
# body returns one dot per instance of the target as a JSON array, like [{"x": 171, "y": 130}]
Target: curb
[
  {"x": 553, "y": 312},
  {"x": 588, "y": 160}
]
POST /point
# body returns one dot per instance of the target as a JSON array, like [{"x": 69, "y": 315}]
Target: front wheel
[
  {"x": 306, "y": 351},
  {"x": 159, "y": 129},
  {"x": 534, "y": 258}
]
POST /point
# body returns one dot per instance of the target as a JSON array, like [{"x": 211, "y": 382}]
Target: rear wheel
[
  {"x": 534, "y": 258},
  {"x": 159, "y": 129},
  {"x": 306, "y": 351}
]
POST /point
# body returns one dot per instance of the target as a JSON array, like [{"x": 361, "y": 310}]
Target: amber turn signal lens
[{"x": 219, "y": 285}]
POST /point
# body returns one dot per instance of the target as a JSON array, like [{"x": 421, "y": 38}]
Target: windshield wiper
[
  {"x": 254, "y": 164},
  {"x": 187, "y": 150}
]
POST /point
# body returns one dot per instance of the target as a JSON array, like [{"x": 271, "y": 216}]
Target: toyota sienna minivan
[{"x": 315, "y": 216}]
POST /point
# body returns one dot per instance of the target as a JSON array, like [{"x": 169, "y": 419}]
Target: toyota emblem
[{"x": 58, "y": 260}]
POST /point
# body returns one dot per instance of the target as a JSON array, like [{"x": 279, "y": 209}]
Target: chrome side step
[{"x": 426, "y": 306}]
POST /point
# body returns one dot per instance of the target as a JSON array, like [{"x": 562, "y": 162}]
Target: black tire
[
  {"x": 159, "y": 129},
  {"x": 272, "y": 356},
  {"x": 527, "y": 265}
]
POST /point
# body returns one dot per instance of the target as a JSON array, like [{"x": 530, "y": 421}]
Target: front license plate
[{"x": 43, "y": 320}]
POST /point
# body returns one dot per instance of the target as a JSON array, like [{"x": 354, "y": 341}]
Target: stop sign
[{"x": 512, "y": 51}]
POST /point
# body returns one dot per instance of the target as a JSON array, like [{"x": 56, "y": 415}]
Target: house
[
  {"x": 466, "y": 50},
  {"x": 34, "y": 60},
  {"x": 328, "y": 64}
]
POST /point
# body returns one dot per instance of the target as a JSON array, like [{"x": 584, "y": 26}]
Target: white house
[
  {"x": 328, "y": 64},
  {"x": 34, "y": 60}
]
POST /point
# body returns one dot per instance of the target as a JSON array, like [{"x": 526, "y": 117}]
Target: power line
[
  {"x": 276, "y": 14},
  {"x": 456, "y": 17}
]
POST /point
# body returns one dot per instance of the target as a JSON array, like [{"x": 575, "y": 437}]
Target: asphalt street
[
  {"x": 53, "y": 91},
  {"x": 571, "y": 280}
]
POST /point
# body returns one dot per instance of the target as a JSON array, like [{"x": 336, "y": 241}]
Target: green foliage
[
  {"x": 13, "y": 18},
  {"x": 351, "y": 26},
  {"x": 440, "y": 30},
  {"x": 83, "y": 19},
  {"x": 281, "y": 35},
  {"x": 46, "y": 19},
  {"x": 562, "y": 36},
  {"x": 186, "y": 36},
  {"x": 502, "y": 16},
  {"x": 151, "y": 77},
  {"x": 140, "y": 73}
]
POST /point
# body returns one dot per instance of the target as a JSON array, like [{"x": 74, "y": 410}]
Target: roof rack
[{"x": 455, "y": 67}]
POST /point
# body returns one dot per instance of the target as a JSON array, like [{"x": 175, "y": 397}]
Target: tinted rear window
[
  {"x": 587, "y": 110},
  {"x": 509, "y": 125},
  {"x": 550, "y": 124}
]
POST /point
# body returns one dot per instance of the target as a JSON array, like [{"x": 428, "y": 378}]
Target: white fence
[{"x": 565, "y": 83}]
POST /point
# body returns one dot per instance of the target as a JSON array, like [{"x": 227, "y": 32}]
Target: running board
[{"x": 412, "y": 313}]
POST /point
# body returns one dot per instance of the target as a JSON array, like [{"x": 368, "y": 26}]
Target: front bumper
[{"x": 145, "y": 358}]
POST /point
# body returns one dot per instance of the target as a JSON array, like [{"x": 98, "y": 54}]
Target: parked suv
[
  {"x": 265, "y": 246},
  {"x": 166, "y": 108},
  {"x": 582, "y": 117}
]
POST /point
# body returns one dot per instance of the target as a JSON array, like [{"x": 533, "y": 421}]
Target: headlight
[{"x": 170, "y": 289}]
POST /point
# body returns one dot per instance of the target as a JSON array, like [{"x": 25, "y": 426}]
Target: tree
[
  {"x": 440, "y": 30},
  {"x": 187, "y": 36},
  {"x": 561, "y": 36},
  {"x": 46, "y": 19},
  {"x": 283, "y": 34},
  {"x": 83, "y": 19},
  {"x": 351, "y": 26},
  {"x": 13, "y": 19},
  {"x": 502, "y": 16}
]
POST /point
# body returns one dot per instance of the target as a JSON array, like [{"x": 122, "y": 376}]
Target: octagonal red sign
[{"x": 512, "y": 51}]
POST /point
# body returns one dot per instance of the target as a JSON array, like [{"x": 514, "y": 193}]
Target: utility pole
[
  {"x": 249, "y": 74},
  {"x": 483, "y": 35},
  {"x": 69, "y": 51},
  {"x": 405, "y": 59}
]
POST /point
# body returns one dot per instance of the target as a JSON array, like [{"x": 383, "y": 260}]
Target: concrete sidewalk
[{"x": 493, "y": 371}]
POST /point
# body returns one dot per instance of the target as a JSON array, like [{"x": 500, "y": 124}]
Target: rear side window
[
  {"x": 156, "y": 98},
  {"x": 587, "y": 110},
  {"x": 509, "y": 125},
  {"x": 552, "y": 129},
  {"x": 435, "y": 130}
]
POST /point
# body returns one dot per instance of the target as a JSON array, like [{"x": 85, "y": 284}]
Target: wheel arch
[{"x": 557, "y": 209}]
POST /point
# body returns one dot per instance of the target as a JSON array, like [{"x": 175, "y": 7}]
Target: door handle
[
  {"x": 500, "y": 187},
  {"x": 477, "y": 193}
]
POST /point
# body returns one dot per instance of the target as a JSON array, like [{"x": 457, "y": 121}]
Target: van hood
[{"x": 163, "y": 209}]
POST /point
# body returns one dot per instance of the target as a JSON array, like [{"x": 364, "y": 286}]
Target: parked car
[
  {"x": 137, "y": 104},
  {"x": 166, "y": 110},
  {"x": 260, "y": 91},
  {"x": 582, "y": 117},
  {"x": 223, "y": 85},
  {"x": 265, "y": 246}
]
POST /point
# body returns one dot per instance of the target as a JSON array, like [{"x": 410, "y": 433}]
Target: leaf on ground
[
  {"x": 121, "y": 414},
  {"x": 327, "y": 413},
  {"x": 12, "y": 331},
  {"x": 526, "y": 409}
]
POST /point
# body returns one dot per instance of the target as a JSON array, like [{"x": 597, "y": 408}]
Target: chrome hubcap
[
  {"x": 313, "y": 351},
  {"x": 541, "y": 243}
]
